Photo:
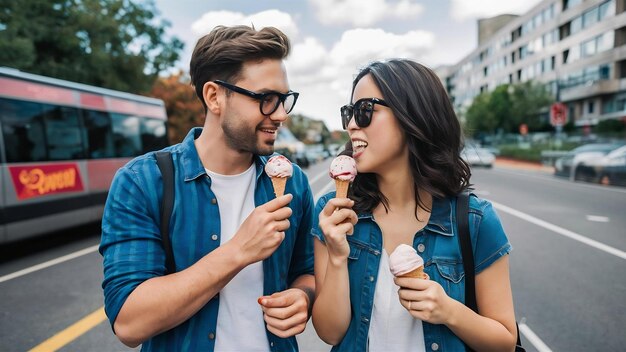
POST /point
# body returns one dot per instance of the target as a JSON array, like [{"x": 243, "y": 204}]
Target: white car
[
  {"x": 570, "y": 164},
  {"x": 477, "y": 156}
]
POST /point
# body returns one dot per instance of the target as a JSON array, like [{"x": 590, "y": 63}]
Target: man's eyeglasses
[
  {"x": 362, "y": 111},
  {"x": 268, "y": 102}
]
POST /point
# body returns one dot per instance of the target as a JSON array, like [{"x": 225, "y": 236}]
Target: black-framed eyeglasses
[
  {"x": 362, "y": 111},
  {"x": 268, "y": 102}
]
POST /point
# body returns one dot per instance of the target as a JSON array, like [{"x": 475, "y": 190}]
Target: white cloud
[
  {"x": 363, "y": 13},
  {"x": 273, "y": 18},
  {"x": 324, "y": 77},
  {"x": 468, "y": 9}
]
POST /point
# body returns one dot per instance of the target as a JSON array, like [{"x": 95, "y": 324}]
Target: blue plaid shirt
[{"x": 133, "y": 253}]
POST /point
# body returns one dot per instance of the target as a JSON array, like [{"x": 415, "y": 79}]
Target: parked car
[
  {"x": 570, "y": 164},
  {"x": 477, "y": 156},
  {"x": 607, "y": 170}
]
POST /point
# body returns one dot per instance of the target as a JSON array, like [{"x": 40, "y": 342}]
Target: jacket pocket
[{"x": 449, "y": 274}]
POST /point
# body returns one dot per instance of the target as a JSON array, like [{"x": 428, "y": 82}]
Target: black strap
[
  {"x": 164, "y": 161},
  {"x": 467, "y": 254}
]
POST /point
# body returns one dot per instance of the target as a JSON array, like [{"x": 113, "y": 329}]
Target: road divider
[
  {"x": 561, "y": 231},
  {"x": 49, "y": 263},
  {"x": 71, "y": 333}
]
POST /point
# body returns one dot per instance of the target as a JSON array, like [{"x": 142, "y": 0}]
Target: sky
[{"x": 332, "y": 39}]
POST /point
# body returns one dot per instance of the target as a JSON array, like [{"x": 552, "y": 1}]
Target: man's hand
[
  {"x": 285, "y": 312},
  {"x": 263, "y": 230}
]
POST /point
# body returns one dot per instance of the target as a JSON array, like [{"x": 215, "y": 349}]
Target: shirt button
[
  {"x": 272, "y": 344},
  {"x": 213, "y": 201},
  {"x": 434, "y": 346},
  {"x": 211, "y": 336},
  {"x": 421, "y": 247},
  {"x": 214, "y": 237},
  {"x": 371, "y": 279}
]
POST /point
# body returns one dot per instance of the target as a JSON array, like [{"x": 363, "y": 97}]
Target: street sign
[{"x": 558, "y": 114}]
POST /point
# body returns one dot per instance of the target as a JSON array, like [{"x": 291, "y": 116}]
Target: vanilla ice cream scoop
[
  {"x": 279, "y": 166},
  {"x": 405, "y": 262},
  {"x": 343, "y": 168},
  {"x": 279, "y": 169}
]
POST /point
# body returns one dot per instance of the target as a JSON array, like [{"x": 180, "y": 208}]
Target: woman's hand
[
  {"x": 337, "y": 220},
  {"x": 425, "y": 300}
]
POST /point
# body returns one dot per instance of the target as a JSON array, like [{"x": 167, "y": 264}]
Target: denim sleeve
[
  {"x": 302, "y": 258},
  {"x": 131, "y": 242},
  {"x": 491, "y": 241},
  {"x": 321, "y": 203}
]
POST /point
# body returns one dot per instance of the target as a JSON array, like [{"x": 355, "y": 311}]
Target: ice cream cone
[
  {"x": 415, "y": 273},
  {"x": 279, "y": 184},
  {"x": 342, "y": 188}
]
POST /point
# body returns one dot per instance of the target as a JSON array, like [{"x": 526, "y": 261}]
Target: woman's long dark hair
[{"x": 433, "y": 133}]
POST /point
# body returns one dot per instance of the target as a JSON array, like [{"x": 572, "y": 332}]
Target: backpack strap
[
  {"x": 166, "y": 166},
  {"x": 467, "y": 254}
]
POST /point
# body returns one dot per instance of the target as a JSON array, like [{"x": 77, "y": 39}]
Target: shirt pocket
[{"x": 448, "y": 272}]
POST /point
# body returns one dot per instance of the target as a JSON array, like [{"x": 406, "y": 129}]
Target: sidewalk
[{"x": 523, "y": 165}]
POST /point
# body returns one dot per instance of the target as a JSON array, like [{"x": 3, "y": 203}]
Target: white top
[
  {"x": 392, "y": 328},
  {"x": 240, "y": 325}
]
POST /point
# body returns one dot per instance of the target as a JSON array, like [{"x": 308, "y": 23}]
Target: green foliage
[
  {"x": 508, "y": 106},
  {"x": 610, "y": 126},
  {"x": 117, "y": 44}
]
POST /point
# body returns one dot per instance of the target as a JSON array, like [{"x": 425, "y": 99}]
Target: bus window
[
  {"x": 22, "y": 126},
  {"x": 99, "y": 134},
  {"x": 153, "y": 134},
  {"x": 63, "y": 133},
  {"x": 126, "y": 139}
]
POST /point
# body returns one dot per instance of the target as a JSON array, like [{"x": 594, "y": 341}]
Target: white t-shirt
[
  {"x": 392, "y": 327},
  {"x": 240, "y": 324}
]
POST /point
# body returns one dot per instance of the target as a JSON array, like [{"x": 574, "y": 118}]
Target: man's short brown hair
[{"x": 222, "y": 53}]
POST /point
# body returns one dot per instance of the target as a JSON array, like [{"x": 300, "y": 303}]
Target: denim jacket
[{"x": 437, "y": 243}]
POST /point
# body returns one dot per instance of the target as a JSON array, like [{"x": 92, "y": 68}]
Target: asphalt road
[{"x": 567, "y": 269}]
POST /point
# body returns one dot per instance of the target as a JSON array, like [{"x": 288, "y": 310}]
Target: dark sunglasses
[
  {"x": 362, "y": 111},
  {"x": 268, "y": 102}
]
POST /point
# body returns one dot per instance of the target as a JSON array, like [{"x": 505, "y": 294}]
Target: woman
[{"x": 406, "y": 142}]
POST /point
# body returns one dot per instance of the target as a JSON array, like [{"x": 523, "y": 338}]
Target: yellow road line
[{"x": 72, "y": 332}]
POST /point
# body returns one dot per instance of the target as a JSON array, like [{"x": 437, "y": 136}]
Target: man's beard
[{"x": 241, "y": 138}]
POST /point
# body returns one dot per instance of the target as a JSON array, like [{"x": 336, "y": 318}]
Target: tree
[
  {"x": 184, "y": 110},
  {"x": 508, "y": 106},
  {"x": 117, "y": 44}
]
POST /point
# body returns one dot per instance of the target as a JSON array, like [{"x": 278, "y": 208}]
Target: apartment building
[{"x": 576, "y": 47}]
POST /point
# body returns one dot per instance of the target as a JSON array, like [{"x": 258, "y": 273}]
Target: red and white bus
[{"x": 60, "y": 145}]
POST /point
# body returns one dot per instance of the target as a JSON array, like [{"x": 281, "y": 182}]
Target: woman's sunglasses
[{"x": 362, "y": 111}]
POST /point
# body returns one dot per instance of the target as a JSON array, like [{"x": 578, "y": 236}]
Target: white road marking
[
  {"x": 324, "y": 190},
  {"x": 597, "y": 218},
  {"x": 533, "y": 338},
  {"x": 317, "y": 177},
  {"x": 561, "y": 231},
  {"x": 49, "y": 263}
]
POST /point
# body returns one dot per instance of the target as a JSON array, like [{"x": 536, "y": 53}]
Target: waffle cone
[
  {"x": 279, "y": 184},
  {"x": 342, "y": 188},
  {"x": 415, "y": 273}
]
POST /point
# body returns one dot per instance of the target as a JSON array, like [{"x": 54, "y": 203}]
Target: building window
[
  {"x": 570, "y": 3},
  {"x": 606, "y": 9},
  {"x": 590, "y": 107},
  {"x": 590, "y": 17}
]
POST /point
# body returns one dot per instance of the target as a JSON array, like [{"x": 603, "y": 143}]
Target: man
[{"x": 233, "y": 241}]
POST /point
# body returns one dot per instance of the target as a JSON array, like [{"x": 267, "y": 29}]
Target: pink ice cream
[
  {"x": 404, "y": 259},
  {"x": 343, "y": 168},
  {"x": 279, "y": 166}
]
